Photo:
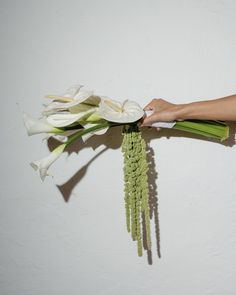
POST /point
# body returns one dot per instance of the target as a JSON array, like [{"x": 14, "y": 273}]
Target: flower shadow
[{"x": 111, "y": 140}]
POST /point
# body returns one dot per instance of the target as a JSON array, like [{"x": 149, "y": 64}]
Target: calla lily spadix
[
  {"x": 35, "y": 126},
  {"x": 43, "y": 164},
  {"x": 114, "y": 111}
]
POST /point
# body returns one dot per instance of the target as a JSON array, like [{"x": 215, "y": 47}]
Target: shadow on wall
[{"x": 112, "y": 140}]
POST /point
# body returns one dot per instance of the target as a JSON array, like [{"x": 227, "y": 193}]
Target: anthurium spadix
[
  {"x": 115, "y": 111},
  {"x": 35, "y": 126},
  {"x": 43, "y": 164}
]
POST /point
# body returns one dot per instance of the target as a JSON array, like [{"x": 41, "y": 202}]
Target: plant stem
[
  {"x": 91, "y": 129},
  {"x": 210, "y": 129}
]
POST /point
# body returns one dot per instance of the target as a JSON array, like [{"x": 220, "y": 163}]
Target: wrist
[
  {"x": 199, "y": 110},
  {"x": 181, "y": 112}
]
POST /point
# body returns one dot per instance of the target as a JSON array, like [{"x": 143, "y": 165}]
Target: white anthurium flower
[
  {"x": 86, "y": 136},
  {"x": 35, "y": 126},
  {"x": 43, "y": 164},
  {"x": 71, "y": 98},
  {"x": 114, "y": 111}
]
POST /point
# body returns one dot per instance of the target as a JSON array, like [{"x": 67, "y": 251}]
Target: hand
[{"x": 163, "y": 111}]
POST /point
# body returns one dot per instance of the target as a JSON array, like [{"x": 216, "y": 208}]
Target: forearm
[{"x": 218, "y": 109}]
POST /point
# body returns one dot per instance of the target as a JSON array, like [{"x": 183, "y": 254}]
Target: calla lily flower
[
  {"x": 114, "y": 111},
  {"x": 75, "y": 114},
  {"x": 64, "y": 119},
  {"x": 43, "y": 164},
  {"x": 72, "y": 97},
  {"x": 35, "y": 126},
  {"x": 73, "y": 106}
]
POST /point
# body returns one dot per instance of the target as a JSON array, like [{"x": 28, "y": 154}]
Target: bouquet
[{"x": 81, "y": 114}]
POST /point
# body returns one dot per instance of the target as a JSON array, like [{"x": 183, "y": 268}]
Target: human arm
[{"x": 217, "y": 109}]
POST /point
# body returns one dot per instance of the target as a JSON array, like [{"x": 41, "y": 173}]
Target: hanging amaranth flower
[{"x": 136, "y": 186}]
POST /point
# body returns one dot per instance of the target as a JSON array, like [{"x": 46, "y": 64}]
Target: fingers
[
  {"x": 149, "y": 127},
  {"x": 148, "y": 121}
]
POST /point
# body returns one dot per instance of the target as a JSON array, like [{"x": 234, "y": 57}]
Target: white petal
[
  {"x": 63, "y": 119},
  {"x": 64, "y": 137},
  {"x": 57, "y": 105},
  {"x": 82, "y": 108},
  {"x": 114, "y": 111},
  {"x": 43, "y": 164},
  {"x": 160, "y": 124},
  {"x": 93, "y": 100},
  {"x": 35, "y": 126},
  {"x": 86, "y": 136}
]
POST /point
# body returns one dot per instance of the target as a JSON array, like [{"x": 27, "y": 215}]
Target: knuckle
[{"x": 157, "y": 100}]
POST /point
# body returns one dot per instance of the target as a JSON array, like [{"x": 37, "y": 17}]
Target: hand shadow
[{"x": 112, "y": 139}]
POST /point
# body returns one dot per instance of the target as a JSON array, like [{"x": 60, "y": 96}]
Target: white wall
[{"x": 182, "y": 51}]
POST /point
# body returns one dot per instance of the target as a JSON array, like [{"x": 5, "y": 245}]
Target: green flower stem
[
  {"x": 91, "y": 129},
  {"x": 210, "y": 129}
]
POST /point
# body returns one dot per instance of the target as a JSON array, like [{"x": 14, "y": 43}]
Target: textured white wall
[{"x": 179, "y": 50}]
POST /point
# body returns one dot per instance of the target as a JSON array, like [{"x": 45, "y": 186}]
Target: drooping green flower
[{"x": 136, "y": 186}]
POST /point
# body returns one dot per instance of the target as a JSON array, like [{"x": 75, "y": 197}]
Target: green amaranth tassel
[{"x": 136, "y": 185}]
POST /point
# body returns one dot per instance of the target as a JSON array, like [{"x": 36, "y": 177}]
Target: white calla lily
[
  {"x": 114, "y": 111},
  {"x": 63, "y": 119},
  {"x": 73, "y": 106},
  {"x": 35, "y": 126},
  {"x": 43, "y": 164},
  {"x": 71, "y": 98}
]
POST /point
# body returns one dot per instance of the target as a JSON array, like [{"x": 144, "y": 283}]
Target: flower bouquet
[{"x": 81, "y": 114}]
